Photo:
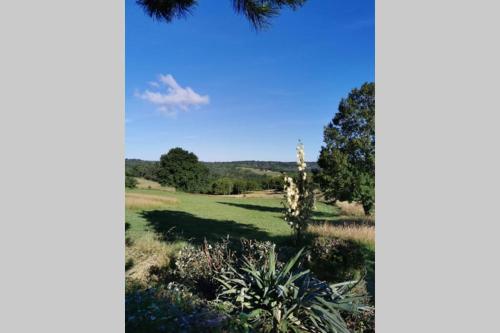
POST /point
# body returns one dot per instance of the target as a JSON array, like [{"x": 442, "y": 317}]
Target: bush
[
  {"x": 171, "y": 309},
  {"x": 272, "y": 299},
  {"x": 130, "y": 182},
  {"x": 196, "y": 267},
  {"x": 334, "y": 259}
]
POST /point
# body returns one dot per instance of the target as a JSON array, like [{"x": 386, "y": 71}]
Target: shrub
[
  {"x": 196, "y": 266},
  {"x": 130, "y": 182},
  {"x": 170, "y": 309},
  {"x": 272, "y": 299},
  {"x": 334, "y": 259}
]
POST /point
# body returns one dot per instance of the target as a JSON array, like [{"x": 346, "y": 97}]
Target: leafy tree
[
  {"x": 182, "y": 169},
  {"x": 130, "y": 182},
  {"x": 239, "y": 186},
  {"x": 347, "y": 159},
  {"x": 258, "y": 12},
  {"x": 222, "y": 186}
]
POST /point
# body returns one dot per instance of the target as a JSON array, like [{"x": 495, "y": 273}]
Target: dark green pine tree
[{"x": 258, "y": 12}]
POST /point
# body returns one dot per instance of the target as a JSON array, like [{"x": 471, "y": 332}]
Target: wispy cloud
[{"x": 173, "y": 97}]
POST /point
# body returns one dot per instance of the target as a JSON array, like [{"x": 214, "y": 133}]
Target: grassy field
[
  {"x": 197, "y": 216},
  {"x": 159, "y": 223}
]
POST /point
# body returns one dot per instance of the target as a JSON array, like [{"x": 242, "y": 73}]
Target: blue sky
[{"x": 229, "y": 93}]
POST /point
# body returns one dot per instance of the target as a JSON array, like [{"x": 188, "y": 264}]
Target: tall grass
[
  {"x": 147, "y": 201},
  {"x": 350, "y": 208},
  {"x": 364, "y": 234},
  {"x": 148, "y": 252}
]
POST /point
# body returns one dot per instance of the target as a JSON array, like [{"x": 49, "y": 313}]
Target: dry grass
[
  {"x": 147, "y": 201},
  {"x": 148, "y": 252},
  {"x": 350, "y": 208},
  {"x": 363, "y": 233},
  {"x": 143, "y": 183}
]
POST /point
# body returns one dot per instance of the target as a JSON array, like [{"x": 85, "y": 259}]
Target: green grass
[{"x": 197, "y": 216}]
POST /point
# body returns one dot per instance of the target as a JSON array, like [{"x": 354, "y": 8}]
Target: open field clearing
[
  {"x": 141, "y": 201},
  {"x": 258, "y": 216},
  {"x": 167, "y": 221}
]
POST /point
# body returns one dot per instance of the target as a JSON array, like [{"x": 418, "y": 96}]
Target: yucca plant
[{"x": 284, "y": 300}]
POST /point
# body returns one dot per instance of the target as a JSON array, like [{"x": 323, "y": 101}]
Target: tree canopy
[
  {"x": 182, "y": 169},
  {"x": 347, "y": 159},
  {"x": 258, "y": 12}
]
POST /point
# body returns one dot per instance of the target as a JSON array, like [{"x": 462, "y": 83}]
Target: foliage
[
  {"x": 361, "y": 322},
  {"x": 170, "y": 308},
  {"x": 334, "y": 259},
  {"x": 130, "y": 182},
  {"x": 182, "y": 169},
  {"x": 245, "y": 175},
  {"x": 299, "y": 197},
  {"x": 236, "y": 169},
  {"x": 258, "y": 12},
  {"x": 347, "y": 159},
  {"x": 142, "y": 169},
  {"x": 196, "y": 267},
  {"x": 282, "y": 300},
  {"x": 222, "y": 186}
]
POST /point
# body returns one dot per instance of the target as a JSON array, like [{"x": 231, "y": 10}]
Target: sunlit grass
[
  {"x": 136, "y": 201},
  {"x": 364, "y": 234}
]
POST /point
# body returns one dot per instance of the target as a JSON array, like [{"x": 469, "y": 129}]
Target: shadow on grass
[
  {"x": 173, "y": 225},
  {"x": 272, "y": 209}
]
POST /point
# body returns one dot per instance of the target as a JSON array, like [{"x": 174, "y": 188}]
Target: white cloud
[{"x": 173, "y": 97}]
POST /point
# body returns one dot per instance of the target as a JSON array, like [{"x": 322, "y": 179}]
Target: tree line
[{"x": 183, "y": 170}]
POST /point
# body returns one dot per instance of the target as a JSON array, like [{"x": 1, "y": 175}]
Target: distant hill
[
  {"x": 260, "y": 167},
  {"x": 269, "y": 168}
]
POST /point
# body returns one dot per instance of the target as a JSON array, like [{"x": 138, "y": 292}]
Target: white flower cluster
[
  {"x": 301, "y": 163},
  {"x": 299, "y": 199},
  {"x": 292, "y": 197}
]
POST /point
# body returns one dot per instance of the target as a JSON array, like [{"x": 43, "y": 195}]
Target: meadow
[
  {"x": 258, "y": 216},
  {"x": 162, "y": 220},
  {"x": 162, "y": 226}
]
